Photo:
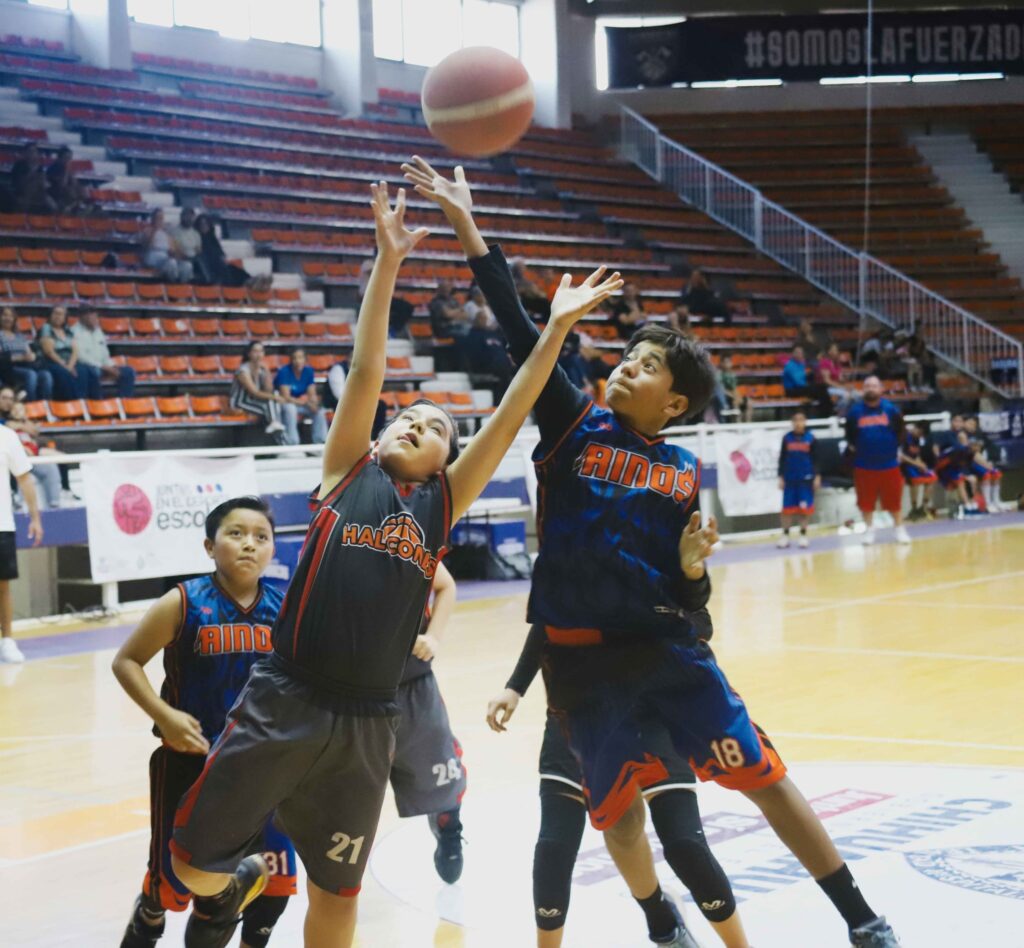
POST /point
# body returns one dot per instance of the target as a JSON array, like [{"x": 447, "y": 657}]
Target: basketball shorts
[
  {"x": 874, "y": 487},
  {"x": 284, "y": 748},
  {"x": 603, "y": 695},
  {"x": 798, "y": 497},
  {"x": 170, "y": 776},
  {"x": 8, "y": 554},
  {"x": 950, "y": 476},
  {"x": 914, "y": 475},
  {"x": 427, "y": 773},
  {"x": 985, "y": 474}
]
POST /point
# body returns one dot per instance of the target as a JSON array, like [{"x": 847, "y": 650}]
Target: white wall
[
  {"x": 400, "y": 76},
  {"x": 41, "y": 22}
]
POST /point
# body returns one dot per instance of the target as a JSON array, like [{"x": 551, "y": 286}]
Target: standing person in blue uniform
[
  {"x": 874, "y": 431},
  {"x": 798, "y": 479},
  {"x": 427, "y": 773},
  {"x": 916, "y": 473},
  {"x": 212, "y": 630},
  {"x": 563, "y": 811},
  {"x": 313, "y": 734},
  {"x": 617, "y": 585}
]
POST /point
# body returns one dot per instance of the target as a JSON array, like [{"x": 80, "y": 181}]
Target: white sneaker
[
  {"x": 273, "y": 428},
  {"x": 782, "y": 542},
  {"x": 803, "y": 542},
  {"x": 868, "y": 537},
  {"x": 902, "y": 536},
  {"x": 9, "y": 651}
]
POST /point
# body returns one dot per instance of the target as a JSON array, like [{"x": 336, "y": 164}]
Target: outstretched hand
[
  {"x": 501, "y": 709},
  {"x": 394, "y": 239},
  {"x": 571, "y": 303},
  {"x": 697, "y": 544},
  {"x": 453, "y": 197}
]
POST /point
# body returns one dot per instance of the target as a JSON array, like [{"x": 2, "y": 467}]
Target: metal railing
[{"x": 857, "y": 280}]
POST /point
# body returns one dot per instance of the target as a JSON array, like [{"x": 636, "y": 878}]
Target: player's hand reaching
[
  {"x": 182, "y": 732},
  {"x": 501, "y": 709},
  {"x": 696, "y": 545},
  {"x": 425, "y": 647},
  {"x": 394, "y": 240},
  {"x": 453, "y": 197},
  {"x": 571, "y": 303}
]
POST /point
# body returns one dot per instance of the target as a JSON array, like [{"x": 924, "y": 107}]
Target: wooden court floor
[{"x": 890, "y": 679}]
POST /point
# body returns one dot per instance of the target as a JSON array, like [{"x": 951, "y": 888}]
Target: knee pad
[
  {"x": 259, "y": 919},
  {"x": 150, "y": 904},
  {"x": 561, "y": 830}
]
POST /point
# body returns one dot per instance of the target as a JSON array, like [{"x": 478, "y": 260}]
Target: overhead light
[
  {"x": 957, "y": 76},
  {"x": 862, "y": 80},
  {"x": 734, "y": 83}
]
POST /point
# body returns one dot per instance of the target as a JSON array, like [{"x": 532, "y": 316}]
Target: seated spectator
[
  {"x": 530, "y": 292},
  {"x": 727, "y": 397},
  {"x": 63, "y": 185},
  {"x": 447, "y": 316},
  {"x": 252, "y": 391},
  {"x": 336, "y": 376},
  {"x": 188, "y": 241},
  {"x": 627, "y": 312},
  {"x": 699, "y": 299},
  {"x": 59, "y": 352},
  {"x": 18, "y": 363},
  {"x": 478, "y": 312},
  {"x": 28, "y": 183},
  {"x": 797, "y": 385},
  {"x": 47, "y": 476},
  {"x": 94, "y": 354},
  {"x": 813, "y": 341},
  {"x": 160, "y": 252},
  {"x": 213, "y": 264},
  {"x": 832, "y": 375},
  {"x": 917, "y": 349},
  {"x": 296, "y": 385}
]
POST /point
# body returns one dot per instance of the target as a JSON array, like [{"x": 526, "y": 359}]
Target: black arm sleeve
[
  {"x": 814, "y": 456},
  {"x": 529, "y": 661},
  {"x": 561, "y": 403},
  {"x": 851, "y": 432},
  {"x": 782, "y": 457}
]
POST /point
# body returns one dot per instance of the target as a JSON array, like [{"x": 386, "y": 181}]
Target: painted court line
[
  {"x": 67, "y": 850},
  {"x": 907, "y": 653}
]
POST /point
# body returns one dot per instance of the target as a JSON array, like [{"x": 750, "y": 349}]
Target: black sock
[
  {"x": 803, "y": 531},
  {"x": 785, "y": 531},
  {"x": 212, "y": 906},
  {"x": 841, "y": 888},
  {"x": 661, "y": 922}
]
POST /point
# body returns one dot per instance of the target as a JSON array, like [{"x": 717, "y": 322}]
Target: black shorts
[{"x": 8, "y": 555}]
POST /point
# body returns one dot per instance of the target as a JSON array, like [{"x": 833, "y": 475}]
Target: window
[
  {"x": 297, "y": 21},
  {"x": 601, "y": 39},
  {"x": 422, "y": 34}
]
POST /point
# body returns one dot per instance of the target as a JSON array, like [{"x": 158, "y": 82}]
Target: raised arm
[
  {"x": 468, "y": 476},
  {"x": 349, "y": 437}
]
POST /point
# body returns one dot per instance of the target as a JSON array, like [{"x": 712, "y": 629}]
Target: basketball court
[{"x": 888, "y": 676}]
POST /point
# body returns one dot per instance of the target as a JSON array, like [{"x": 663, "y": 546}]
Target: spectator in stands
[
  {"x": 65, "y": 189},
  {"x": 813, "y": 341},
  {"x": 919, "y": 351},
  {"x": 533, "y": 297},
  {"x": 28, "y": 182},
  {"x": 160, "y": 252},
  {"x": 18, "y": 363},
  {"x": 699, "y": 299},
  {"x": 984, "y": 465},
  {"x": 252, "y": 391},
  {"x": 478, "y": 312},
  {"x": 7, "y": 400},
  {"x": 797, "y": 384},
  {"x": 447, "y": 316},
  {"x": 60, "y": 358},
  {"x": 188, "y": 242},
  {"x": 727, "y": 397},
  {"x": 94, "y": 355},
  {"x": 871, "y": 351},
  {"x": 296, "y": 385},
  {"x": 627, "y": 312},
  {"x": 213, "y": 263},
  {"x": 832, "y": 375},
  {"x": 398, "y": 317},
  {"x": 47, "y": 476}
]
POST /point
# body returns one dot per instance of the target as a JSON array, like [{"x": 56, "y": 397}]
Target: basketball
[{"x": 478, "y": 101}]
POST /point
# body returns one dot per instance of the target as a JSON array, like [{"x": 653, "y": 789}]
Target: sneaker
[
  {"x": 138, "y": 934},
  {"x": 868, "y": 537},
  {"x": 9, "y": 651},
  {"x": 876, "y": 934},
  {"x": 803, "y": 542},
  {"x": 273, "y": 428},
  {"x": 448, "y": 852},
  {"x": 215, "y": 930},
  {"x": 783, "y": 542},
  {"x": 681, "y": 937},
  {"x": 902, "y": 536}
]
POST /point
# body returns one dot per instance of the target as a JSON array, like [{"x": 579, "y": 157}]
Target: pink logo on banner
[
  {"x": 742, "y": 465},
  {"x": 132, "y": 509}
]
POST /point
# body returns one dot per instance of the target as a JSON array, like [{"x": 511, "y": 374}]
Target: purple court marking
[{"x": 94, "y": 640}]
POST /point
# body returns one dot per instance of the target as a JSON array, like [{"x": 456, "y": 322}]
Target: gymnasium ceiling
[{"x": 761, "y": 7}]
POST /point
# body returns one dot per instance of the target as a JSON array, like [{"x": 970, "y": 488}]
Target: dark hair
[
  {"x": 692, "y": 372},
  {"x": 296, "y": 349},
  {"x": 253, "y": 343},
  {"x": 453, "y": 440},
  {"x": 249, "y": 502},
  {"x": 800, "y": 412}
]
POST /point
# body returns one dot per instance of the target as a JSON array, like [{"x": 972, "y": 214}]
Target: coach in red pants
[{"x": 874, "y": 430}]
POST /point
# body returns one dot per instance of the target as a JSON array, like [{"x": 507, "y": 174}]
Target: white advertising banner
[
  {"x": 748, "y": 466},
  {"x": 146, "y": 516}
]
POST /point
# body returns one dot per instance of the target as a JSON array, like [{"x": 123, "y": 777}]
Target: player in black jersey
[{"x": 313, "y": 734}]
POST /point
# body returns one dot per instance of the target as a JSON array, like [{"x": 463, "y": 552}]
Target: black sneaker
[
  {"x": 448, "y": 853},
  {"x": 138, "y": 934},
  {"x": 681, "y": 937},
  {"x": 876, "y": 934},
  {"x": 213, "y": 920}
]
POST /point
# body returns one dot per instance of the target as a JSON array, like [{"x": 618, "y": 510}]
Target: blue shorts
[
  {"x": 798, "y": 497},
  {"x": 950, "y": 476},
  {"x": 985, "y": 473},
  {"x": 604, "y": 694},
  {"x": 914, "y": 475}
]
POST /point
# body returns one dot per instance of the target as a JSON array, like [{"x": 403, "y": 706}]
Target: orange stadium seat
[
  {"x": 176, "y": 407},
  {"x": 139, "y": 409},
  {"x": 206, "y": 365},
  {"x": 65, "y": 412},
  {"x": 145, "y": 326},
  {"x": 206, "y": 327},
  {"x": 144, "y": 366},
  {"x": 172, "y": 327},
  {"x": 105, "y": 410},
  {"x": 174, "y": 365}
]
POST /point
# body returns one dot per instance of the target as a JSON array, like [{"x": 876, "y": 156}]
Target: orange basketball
[{"x": 478, "y": 101}]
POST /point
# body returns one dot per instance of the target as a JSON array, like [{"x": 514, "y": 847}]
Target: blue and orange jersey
[
  {"x": 797, "y": 461},
  {"x": 955, "y": 457},
  {"x": 218, "y": 642},
  {"x": 874, "y": 432},
  {"x": 611, "y": 506},
  {"x": 913, "y": 446}
]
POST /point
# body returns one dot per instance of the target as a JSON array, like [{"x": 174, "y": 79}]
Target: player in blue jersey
[
  {"x": 618, "y": 580},
  {"x": 798, "y": 478},
  {"x": 916, "y": 472},
  {"x": 983, "y": 466},
  {"x": 312, "y": 736},
  {"x": 211, "y": 630},
  {"x": 953, "y": 468}
]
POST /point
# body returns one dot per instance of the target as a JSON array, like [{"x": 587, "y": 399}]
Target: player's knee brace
[
  {"x": 676, "y": 820},
  {"x": 561, "y": 830},
  {"x": 150, "y": 905},
  {"x": 259, "y": 919}
]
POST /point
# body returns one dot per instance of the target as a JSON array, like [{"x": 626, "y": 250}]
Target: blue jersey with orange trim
[
  {"x": 611, "y": 507},
  {"x": 218, "y": 642},
  {"x": 796, "y": 457},
  {"x": 874, "y": 431}
]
